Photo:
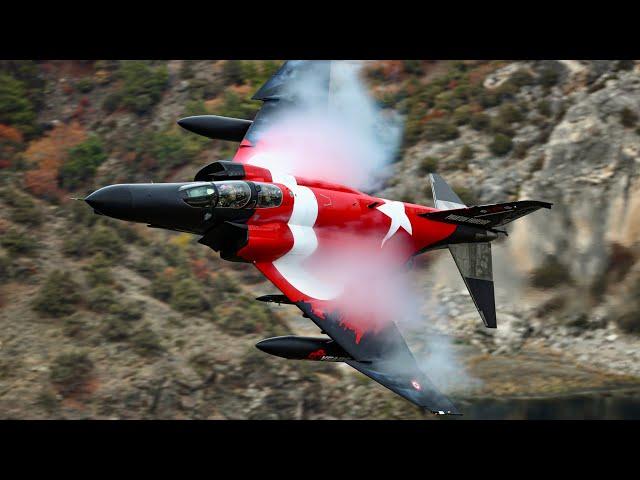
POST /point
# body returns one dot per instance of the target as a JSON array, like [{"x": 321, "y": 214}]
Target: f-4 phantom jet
[{"x": 291, "y": 227}]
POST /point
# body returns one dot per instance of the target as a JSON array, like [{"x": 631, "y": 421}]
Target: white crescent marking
[{"x": 305, "y": 242}]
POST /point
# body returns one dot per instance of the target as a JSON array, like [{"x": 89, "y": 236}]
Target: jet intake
[
  {"x": 304, "y": 348},
  {"x": 226, "y": 170}
]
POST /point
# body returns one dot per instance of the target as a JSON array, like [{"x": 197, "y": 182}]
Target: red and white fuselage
[{"x": 316, "y": 220}]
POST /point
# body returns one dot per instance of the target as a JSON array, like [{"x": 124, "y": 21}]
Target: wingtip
[{"x": 447, "y": 412}]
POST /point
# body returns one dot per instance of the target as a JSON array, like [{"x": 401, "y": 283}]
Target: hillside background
[{"x": 102, "y": 319}]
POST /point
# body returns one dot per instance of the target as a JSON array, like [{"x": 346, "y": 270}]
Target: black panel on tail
[
  {"x": 483, "y": 296},
  {"x": 474, "y": 263}
]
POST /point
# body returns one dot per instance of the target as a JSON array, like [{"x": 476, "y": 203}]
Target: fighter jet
[{"x": 289, "y": 226}]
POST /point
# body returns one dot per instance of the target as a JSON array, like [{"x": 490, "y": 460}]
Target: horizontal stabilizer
[{"x": 487, "y": 216}]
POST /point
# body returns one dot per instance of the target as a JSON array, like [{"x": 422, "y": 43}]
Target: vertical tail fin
[{"x": 443, "y": 197}]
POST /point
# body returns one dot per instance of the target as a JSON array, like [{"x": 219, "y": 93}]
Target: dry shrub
[{"x": 45, "y": 157}]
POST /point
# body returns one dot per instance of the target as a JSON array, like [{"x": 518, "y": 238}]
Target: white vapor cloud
[
  {"x": 347, "y": 141},
  {"x": 352, "y": 142}
]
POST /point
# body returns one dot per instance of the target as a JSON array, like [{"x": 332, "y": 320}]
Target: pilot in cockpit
[{"x": 232, "y": 194}]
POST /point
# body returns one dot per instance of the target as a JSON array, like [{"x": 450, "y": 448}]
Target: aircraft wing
[
  {"x": 380, "y": 352},
  {"x": 377, "y": 348},
  {"x": 296, "y": 82}
]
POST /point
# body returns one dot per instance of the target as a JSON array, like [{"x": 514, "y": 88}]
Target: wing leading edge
[
  {"x": 384, "y": 357},
  {"x": 381, "y": 354},
  {"x": 422, "y": 392},
  {"x": 296, "y": 83}
]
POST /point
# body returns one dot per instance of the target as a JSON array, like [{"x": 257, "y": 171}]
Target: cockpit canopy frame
[{"x": 232, "y": 194}]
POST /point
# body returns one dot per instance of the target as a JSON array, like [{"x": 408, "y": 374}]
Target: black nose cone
[{"x": 114, "y": 201}]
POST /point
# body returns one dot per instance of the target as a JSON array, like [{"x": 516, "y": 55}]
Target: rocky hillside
[
  {"x": 565, "y": 132},
  {"x": 100, "y": 319}
]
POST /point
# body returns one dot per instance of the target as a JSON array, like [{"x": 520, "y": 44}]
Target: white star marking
[{"x": 396, "y": 212}]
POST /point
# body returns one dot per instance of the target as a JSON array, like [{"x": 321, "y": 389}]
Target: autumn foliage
[
  {"x": 10, "y": 134},
  {"x": 45, "y": 157},
  {"x": 201, "y": 269},
  {"x": 10, "y": 140}
]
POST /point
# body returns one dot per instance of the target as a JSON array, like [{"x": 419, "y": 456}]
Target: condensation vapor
[
  {"x": 352, "y": 142},
  {"x": 344, "y": 138},
  {"x": 436, "y": 352}
]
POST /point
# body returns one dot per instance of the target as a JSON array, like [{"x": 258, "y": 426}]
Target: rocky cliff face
[
  {"x": 132, "y": 343},
  {"x": 569, "y": 275}
]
